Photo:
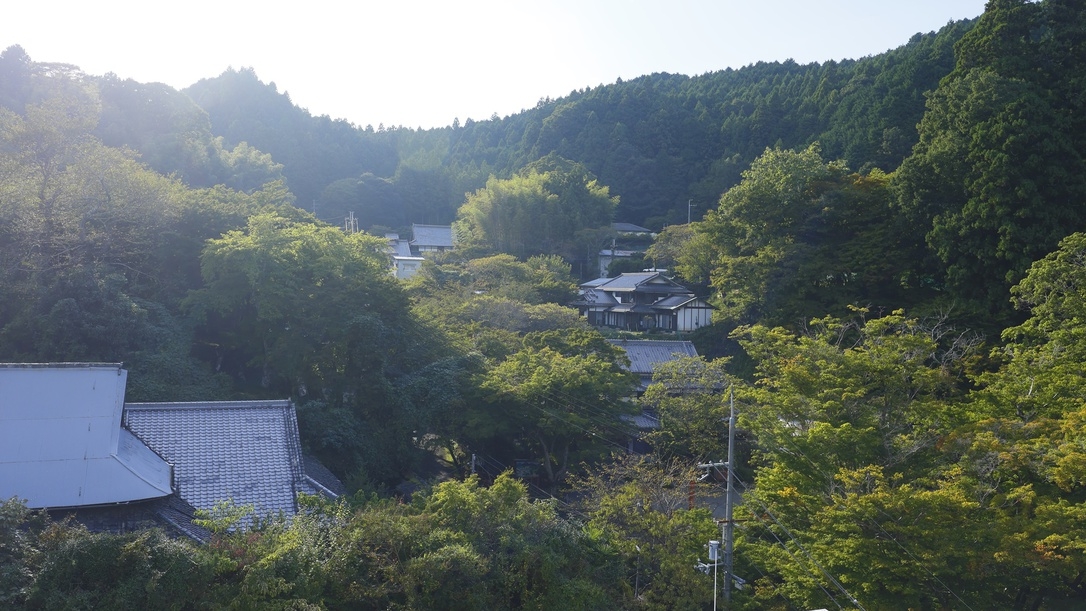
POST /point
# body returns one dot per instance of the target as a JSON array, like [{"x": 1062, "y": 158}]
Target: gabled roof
[
  {"x": 61, "y": 441},
  {"x": 644, "y": 282},
  {"x": 244, "y": 451},
  {"x": 432, "y": 235}
]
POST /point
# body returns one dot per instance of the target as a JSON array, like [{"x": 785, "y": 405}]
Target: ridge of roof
[{"x": 73, "y": 365}]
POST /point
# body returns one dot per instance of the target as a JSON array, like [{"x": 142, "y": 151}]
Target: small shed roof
[
  {"x": 646, "y": 354},
  {"x": 596, "y": 299}
]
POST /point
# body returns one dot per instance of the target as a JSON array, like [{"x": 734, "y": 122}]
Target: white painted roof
[
  {"x": 61, "y": 442},
  {"x": 244, "y": 451}
]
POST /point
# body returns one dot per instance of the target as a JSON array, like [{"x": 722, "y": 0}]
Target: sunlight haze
[{"x": 424, "y": 63}]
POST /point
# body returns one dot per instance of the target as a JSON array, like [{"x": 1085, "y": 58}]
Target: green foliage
[
  {"x": 800, "y": 237},
  {"x": 669, "y": 248},
  {"x": 689, "y": 395},
  {"x": 314, "y": 151},
  {"x": 1042, "y": 374},
  {"x": 890, "y": 457},
  {"x": 19, "y": 550},
  {"x": 639, "y": 507},
  {"x": 541, "y": 279},
  {"x": 538, "y": 211},
  {"x": 457, "y": 546},
  {"x": 173, "y": 136},
  {"x": 997, "y": 177},
  {"x": 291, "y": 299},
  {"x": 83, "y": 570},
  {"x": 874, "y": 469},
  {"x": 304, "y": 310},
  {"x": 537, "y": 560},
  {"x": 555, "y": 404},
  {"x": 884, "y": 387}
]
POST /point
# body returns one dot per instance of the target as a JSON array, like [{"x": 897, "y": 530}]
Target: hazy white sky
[{"x": 422, "y": 63}]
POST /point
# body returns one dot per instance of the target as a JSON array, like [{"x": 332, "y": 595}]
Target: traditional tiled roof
[
  {"x": 438, "y": 236},
  {"x": 646, "y": 354},
  {"x": 61, "y": 441},
  {"x": 645, "y": 282},
  {"x": 246, "y": 452},
  {"x": 595, "y": 282},
  {"x": 319, "y": 475}
]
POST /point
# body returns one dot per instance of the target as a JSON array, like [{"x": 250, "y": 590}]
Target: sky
[{"x": 424, "y": 63}]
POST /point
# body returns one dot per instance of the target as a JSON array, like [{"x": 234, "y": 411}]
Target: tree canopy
[{"x": 547, "y": 209}]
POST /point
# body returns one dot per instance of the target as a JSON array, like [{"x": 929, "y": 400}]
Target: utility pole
[
  {"x": 350, "y": 224},
  {"x": 729, "y": 525},
  {"x": 689, "y": 205}
]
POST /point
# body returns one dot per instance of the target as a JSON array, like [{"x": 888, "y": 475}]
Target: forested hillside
[
  {"x": 894, "y": 247},
  {"x": 657, "y": 141}
]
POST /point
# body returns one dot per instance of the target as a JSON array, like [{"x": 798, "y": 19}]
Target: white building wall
[{"x": 691, "y": 319}]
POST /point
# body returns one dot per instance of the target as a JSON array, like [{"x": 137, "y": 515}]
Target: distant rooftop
[
  {"x": 629, "y": 228},
  {"x": 437, "y": 236}
]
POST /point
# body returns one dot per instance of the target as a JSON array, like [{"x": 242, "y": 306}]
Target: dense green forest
[{"x": 895, "y": 247}]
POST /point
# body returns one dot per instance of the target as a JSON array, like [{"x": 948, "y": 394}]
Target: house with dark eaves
[{"x": 643, "y": 301}]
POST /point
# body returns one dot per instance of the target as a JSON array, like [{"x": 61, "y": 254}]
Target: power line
[{"x": 595, "y": 415}]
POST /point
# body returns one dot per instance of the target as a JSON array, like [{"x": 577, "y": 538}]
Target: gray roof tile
[
  {"x": 645, "y": 354},
  {"x": 244, "y": 451}
]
